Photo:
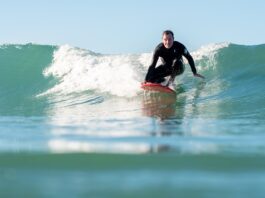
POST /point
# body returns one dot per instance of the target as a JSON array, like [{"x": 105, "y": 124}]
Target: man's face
[{"x": 168, "y": 40}]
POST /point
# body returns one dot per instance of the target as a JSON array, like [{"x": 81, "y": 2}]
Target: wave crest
[{"x": 80, "y": 70}]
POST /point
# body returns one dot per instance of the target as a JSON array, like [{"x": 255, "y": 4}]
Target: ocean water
[{"x": 75, "y": 123}]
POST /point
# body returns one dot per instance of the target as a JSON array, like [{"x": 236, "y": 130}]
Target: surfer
[{"x": 171, "y": 53}]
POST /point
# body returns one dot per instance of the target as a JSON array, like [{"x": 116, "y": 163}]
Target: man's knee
[
  {"x": 181, "y": 69},
  {"x": 178, "y": 67}
]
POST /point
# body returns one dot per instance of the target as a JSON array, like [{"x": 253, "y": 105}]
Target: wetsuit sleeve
[
  {"x": 187, "y": 55},
  {"x": 153, "y": 64},
  {"x": 155, "y": 58}
]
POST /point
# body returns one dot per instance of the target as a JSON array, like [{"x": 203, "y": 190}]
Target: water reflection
[
  {"x": 152, "y": 122},
  {"x": 159, "y": 105},
  {"x": 166, "y": 111}
]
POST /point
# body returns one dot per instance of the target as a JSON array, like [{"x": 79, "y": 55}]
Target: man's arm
[
  {"x": 155, "y": 58},
  {"x": 190, "y": 60},
  {"x": 153, "y": 64},
  {"x": 192, "y": 64}
]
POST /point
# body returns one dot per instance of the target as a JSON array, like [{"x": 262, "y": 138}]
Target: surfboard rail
[{"x": 156, "y": 87}]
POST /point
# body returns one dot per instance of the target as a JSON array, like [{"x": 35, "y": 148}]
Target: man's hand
[{"x": 199, "y": 76}]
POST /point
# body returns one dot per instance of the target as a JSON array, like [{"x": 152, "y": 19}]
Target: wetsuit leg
[
  {"x": 178, "y": 68},
  {"x": 156, "y": 75}
]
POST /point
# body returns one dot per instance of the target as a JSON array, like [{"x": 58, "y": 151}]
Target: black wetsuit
[{"x": 172, "y": 62}]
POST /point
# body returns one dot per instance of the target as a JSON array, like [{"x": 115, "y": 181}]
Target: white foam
[
  {"x": 80, "y": 70},
  {"x": 62, "y": 146}
]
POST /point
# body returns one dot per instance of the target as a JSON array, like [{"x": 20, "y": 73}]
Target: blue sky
[{"x": 131, "y": 26}]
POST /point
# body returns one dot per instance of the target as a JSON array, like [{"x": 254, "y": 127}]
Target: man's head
[{"x": 168, "y": 38}]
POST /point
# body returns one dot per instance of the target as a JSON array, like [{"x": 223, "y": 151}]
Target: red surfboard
[{"x": 156, "y": 87}]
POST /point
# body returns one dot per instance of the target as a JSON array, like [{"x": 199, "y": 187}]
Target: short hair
[{"x": 167, "y": 32}]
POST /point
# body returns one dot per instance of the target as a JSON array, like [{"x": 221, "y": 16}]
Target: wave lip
[{"x": 209, "y": 50}]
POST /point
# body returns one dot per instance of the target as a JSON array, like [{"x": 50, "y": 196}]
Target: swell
[
  {"x": 35, "y": 77},
  {"x": 205, "y": 162}
]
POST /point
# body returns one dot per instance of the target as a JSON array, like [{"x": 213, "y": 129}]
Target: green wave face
[{"x": 21, "y": 71}]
